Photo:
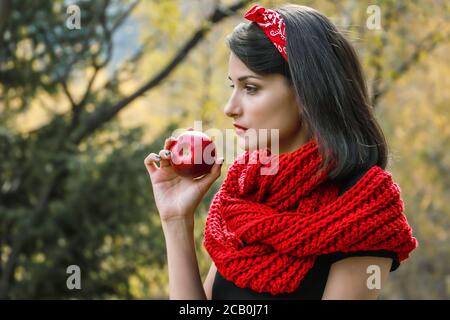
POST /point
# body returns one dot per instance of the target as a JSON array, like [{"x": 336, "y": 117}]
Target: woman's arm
[
  {"x": 348, "y": 278},
  {"x": 208, "y": 284},
  {"x": 184, "y": 276}
]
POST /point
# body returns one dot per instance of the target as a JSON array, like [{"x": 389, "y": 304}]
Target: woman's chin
[
  {"x": 250, "y": 142},
  {"x": 247, "y": 145},
  {"x": 243, "y": 143}
]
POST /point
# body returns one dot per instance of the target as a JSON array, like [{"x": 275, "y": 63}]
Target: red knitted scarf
[{"x": 265, "y": 232}]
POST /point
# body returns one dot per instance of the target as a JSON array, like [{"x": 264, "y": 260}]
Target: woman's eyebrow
[{"x": 245, "y": 77}]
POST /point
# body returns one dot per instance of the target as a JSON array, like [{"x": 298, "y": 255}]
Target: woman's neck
[{"x": 294, "y": 142}]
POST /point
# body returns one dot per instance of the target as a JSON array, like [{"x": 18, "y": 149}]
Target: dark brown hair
[{"x": 326, "y": 74}]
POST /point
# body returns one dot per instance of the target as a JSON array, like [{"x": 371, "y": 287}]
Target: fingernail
[
  {"x": 167, "y": 153},
  {"x": 221, "y": 160}
]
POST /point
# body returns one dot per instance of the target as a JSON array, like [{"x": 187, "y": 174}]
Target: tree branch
[
  {"x": 96, "y": 120},
  {"x": 105, "y": 113},
  {"x": 77, "y": 108},
  {"x": 427, "y": 44},
  {"x": 379, "y": 51}
]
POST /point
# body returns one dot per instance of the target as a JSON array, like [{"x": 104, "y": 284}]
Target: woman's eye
[
  {"x": 248, "y": 88},
  {"x": 251, "y": 89}
]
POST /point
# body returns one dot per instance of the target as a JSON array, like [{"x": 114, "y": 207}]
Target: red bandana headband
[{"x": 272, "y": 23}]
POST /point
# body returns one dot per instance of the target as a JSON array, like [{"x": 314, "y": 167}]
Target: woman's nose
[{"x": 232, "y": 109}]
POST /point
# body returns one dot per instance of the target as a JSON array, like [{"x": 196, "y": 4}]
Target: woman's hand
[{"x": 176, "y": 196}]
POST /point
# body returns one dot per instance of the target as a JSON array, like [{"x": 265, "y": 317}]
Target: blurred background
[{"x": 89, "y": 88}]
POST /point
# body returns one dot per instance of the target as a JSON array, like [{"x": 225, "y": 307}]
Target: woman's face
[{"x": 263, "y": 102}]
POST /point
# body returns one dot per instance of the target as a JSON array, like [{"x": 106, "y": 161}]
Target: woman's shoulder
[
  {"x": 331, "y": 258},
  {"x": 336, "y": 256}
]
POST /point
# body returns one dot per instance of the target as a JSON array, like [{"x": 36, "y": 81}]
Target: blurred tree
[
  {"x": 52, "y": 211},
  {"x": 73, "y": 189}
]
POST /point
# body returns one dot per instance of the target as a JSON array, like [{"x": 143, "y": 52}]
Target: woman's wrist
[{"x": 178, "y": 224}]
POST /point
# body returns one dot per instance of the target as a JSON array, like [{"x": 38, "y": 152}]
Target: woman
[{"x": 328, "y": 223}]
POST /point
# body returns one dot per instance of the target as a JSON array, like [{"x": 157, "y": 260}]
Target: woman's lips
[
  {"x": 240, "y": 127},
  {"x": 240, "y": 131}
]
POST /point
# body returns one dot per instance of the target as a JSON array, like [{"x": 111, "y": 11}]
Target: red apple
[{"x": 193, "y": 154}]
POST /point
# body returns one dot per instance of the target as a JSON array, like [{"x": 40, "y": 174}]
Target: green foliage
[
  {"x": 99, "y": 211},
  {"x": 39, "y": 52}
]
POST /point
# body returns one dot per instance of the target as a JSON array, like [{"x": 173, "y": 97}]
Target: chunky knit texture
[{"x": 264, "y": 232}]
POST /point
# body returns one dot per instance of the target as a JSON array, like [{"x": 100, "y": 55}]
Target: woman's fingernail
[{"x": 221, "y": 160}]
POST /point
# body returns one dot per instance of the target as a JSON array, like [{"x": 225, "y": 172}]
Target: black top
[{"x": 313, "y": 284}]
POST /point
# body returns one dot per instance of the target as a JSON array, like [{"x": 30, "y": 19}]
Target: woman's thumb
[
  {"x": 219, "y": 163},
  {"x": 216, "y": 169}
]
